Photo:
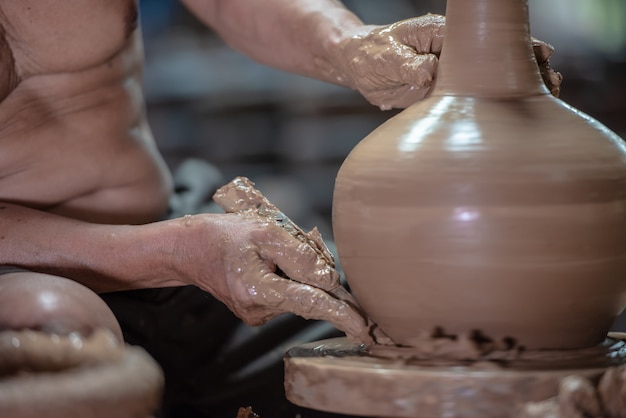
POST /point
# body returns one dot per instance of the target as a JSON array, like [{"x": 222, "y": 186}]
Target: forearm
[
  {"x": 102, "y": 257},
  {"x": 293, "y": 35}
]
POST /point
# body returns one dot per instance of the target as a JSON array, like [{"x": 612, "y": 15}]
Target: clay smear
[{"x": 436, "y": 346}]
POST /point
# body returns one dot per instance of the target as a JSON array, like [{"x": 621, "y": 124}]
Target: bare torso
[{"x": 73, "y": 134}]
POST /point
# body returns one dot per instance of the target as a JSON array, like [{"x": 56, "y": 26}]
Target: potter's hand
[
  {"x": 395, "y": 65},
  {"x": 260, "y": 271},
  {"x": 305, "y": 282},
  {"x": 551, "y": 78}
]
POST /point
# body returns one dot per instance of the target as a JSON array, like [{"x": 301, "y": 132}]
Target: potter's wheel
[{"x": 338, "y": 376}]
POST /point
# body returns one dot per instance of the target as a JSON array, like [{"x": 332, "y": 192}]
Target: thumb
[{"x": 298, "y": 260}]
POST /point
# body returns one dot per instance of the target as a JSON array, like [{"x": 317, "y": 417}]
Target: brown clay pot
[{"x": 490, "y": 206}]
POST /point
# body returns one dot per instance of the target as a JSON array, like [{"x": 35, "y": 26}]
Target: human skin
[
  {"x": 63, "y": 306},
  {"x": 390, "y": 65},
  {"x": 82, "y": 184}
]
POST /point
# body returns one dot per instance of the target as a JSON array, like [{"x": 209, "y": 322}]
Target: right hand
[
  {"x": 551, "y": 78},
  {"x": 392, "y": 66},
  {"x": 260, "y": 271}
]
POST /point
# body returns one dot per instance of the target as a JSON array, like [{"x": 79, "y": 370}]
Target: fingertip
[
  {"x": 326, "y": 278},
  {"x": 542, "y": 50},
  {"x": 399, "y": 98}
]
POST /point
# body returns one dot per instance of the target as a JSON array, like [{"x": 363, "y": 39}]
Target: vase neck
[{"x": 487, "y": 51}]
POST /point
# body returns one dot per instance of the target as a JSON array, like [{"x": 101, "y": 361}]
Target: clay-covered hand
[
  {"x": 551, "y": 78},
  {"x": 394, "y": 66},
  {"x": 260, "y": 271}
]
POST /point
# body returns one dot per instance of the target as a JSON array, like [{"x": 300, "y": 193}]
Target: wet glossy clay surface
[{"x": 491, "y": 206}]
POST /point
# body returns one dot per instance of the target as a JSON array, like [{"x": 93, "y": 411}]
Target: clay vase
[{"x": 490, "y": 206}]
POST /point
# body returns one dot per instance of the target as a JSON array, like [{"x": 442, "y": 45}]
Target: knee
[{"x": 52, "y": 304}]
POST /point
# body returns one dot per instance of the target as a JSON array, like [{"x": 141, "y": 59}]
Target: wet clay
[
  {"x": 491, "y": 206},
  {"x": 56, "y": 376},
  {"x": 436, "y": 345},
  {"x": 240, "y": 197},
  {"x": 473, "y": 352},
  {"x": 579, "y": 397}
]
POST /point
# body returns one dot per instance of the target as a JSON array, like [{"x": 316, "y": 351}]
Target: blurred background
[{"x": 290, "y": 134}]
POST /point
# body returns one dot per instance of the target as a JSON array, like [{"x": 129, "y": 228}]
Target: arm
[
  {"x": 295, "y": 36},
  {"x": 391, "y": 66},
  {"x": 102, "y": 257},
  {"x": 232, "y": 256}
]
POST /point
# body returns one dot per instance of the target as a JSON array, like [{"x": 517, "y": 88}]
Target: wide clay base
[{"x": 338, "y": 376}]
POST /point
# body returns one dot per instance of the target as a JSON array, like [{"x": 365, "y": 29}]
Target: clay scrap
[
  {"x": 246, "y": 412},
  {"x": 579, "y": 398}
]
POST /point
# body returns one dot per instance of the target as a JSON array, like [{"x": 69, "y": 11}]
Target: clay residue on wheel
[
  {"x": 437, "y": 345},
  {"x": 478, "y": 351}
]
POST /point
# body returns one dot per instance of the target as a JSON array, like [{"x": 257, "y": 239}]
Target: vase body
[{"x": 490, "y": 206}]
